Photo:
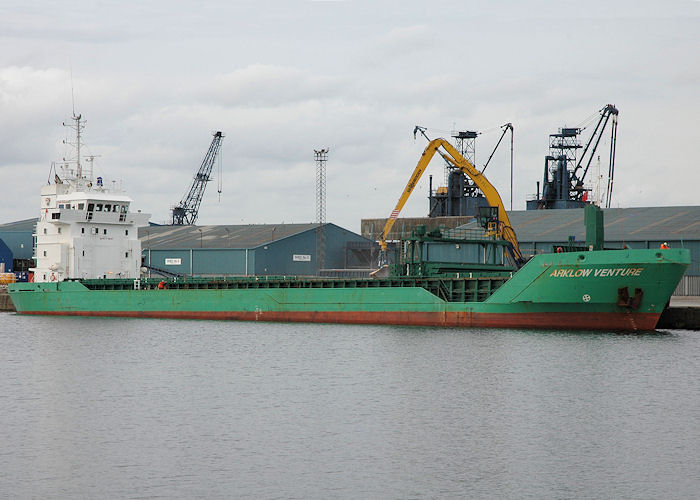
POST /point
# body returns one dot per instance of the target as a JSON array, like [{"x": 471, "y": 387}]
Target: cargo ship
[
  {"x": 597, "y": 290},
  {"x": 88, "y": 264}
]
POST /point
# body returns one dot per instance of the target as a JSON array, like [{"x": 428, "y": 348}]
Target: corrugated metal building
[
  {"x": 256, "y": 249},
  {"x": 19, "y": 237},
  {"x": 5, "y": 258},
  {"x": 539, "y": 230}
]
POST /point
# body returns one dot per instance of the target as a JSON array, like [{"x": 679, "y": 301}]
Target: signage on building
[
  {"x": 173, "y": 262},
  {"x": 301, "y": 258}
]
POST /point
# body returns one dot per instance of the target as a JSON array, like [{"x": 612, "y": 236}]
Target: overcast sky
[{"x": 154, "y": 79}]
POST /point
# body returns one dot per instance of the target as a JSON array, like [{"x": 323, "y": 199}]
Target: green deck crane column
[{"x": 593, "y": 217}]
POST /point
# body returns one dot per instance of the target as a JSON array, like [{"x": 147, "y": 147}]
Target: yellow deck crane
[{"x": 499, "y": 227}]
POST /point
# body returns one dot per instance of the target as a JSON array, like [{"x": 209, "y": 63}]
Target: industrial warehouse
[{"x": 255, "y": 250}]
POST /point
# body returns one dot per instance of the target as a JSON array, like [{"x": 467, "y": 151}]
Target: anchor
[{"x": 624, "y": 299}]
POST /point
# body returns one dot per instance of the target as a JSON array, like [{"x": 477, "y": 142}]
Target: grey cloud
[{"x": 262, "y": 85}]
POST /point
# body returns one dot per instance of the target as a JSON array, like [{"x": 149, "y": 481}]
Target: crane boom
[
  {"x": 187, "y": 211},
  {"x": 455, "y": 158},
  {"x": 608, "y": 111}
]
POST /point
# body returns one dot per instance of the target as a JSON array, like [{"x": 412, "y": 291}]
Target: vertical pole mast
[
  {"x": 321, "y": 157},
  {"x": 78, "y": 126},
  {"x": 511, "y": 167},
  {"x": 77, "y": 146}
]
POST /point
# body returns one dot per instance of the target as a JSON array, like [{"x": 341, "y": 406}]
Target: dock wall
[{"x": 5, "y": 302}]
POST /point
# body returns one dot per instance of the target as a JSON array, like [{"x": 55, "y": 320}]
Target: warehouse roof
[
  {"x": 621, "y": 224},
  {"x": 240, "y": 236},
  {"x": 19, "y": 226}
]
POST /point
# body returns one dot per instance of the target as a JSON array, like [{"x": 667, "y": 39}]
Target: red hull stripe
[{"x": 548, "y": 320}]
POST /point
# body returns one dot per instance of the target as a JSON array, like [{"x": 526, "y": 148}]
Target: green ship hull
[{"x": 600, "y": 290}]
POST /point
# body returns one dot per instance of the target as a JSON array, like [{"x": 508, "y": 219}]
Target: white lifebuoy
[{"x": 53, "y": 277}]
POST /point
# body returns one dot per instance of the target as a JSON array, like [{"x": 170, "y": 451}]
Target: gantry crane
[
  {"x": 187, "y": 211},
  {"x": 564, "y": 175}
]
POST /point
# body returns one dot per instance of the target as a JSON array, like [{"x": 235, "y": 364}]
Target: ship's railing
[
  {"x": 448, "y": 234},
  {"x": 346, "y": 273}
]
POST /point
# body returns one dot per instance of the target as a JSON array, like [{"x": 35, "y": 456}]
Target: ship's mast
[
  {"x": 78, "y": 126},
  {"x": 77, "y": 144}
]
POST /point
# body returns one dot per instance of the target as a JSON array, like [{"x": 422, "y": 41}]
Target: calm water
[{"x": 114, "y": 408}]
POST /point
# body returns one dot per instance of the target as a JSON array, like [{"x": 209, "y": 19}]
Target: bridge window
[
  {"x": 108, "y": 207},
  {"x": 91, "y": 207},
  {"x": 98, "y": 207},
  {"x": 81, "y": 206}
]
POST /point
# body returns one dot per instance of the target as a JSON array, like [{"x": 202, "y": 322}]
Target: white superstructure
[{"x": 85, "y": 230}]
